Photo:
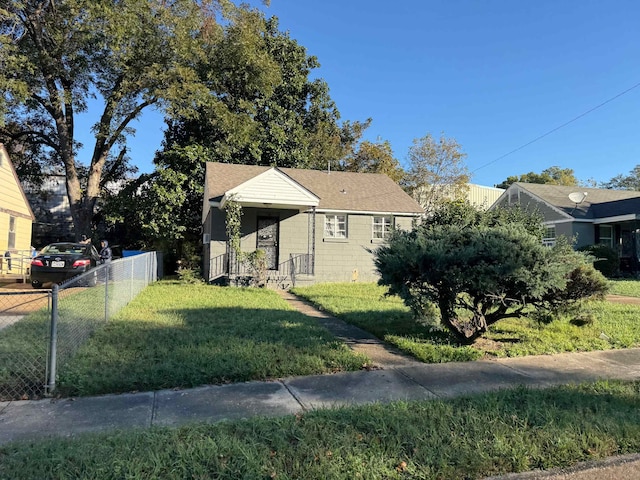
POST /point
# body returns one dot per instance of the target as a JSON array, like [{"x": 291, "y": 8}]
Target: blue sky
[{"x": 493, "y": 74}]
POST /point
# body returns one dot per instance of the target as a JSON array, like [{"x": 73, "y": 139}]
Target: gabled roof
[
  {"x": 341, "y": 191},
  {"x": 598, "y": 203},
  {"x": 274, "y": 187}
]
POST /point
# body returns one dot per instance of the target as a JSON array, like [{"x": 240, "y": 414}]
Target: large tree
[
  {"x": 275, "y": 113},
  {"x": 60, "y": 58},
  {"x": 269, "y": 112},
  {"x": 552, "y": 175},
  {"x": 436, "y": 172}
]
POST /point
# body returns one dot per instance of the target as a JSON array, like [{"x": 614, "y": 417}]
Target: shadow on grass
[{"x": 203, "y": 346}]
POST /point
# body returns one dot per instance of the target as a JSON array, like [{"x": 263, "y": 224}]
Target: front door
[{"x": 268, "y": 240}]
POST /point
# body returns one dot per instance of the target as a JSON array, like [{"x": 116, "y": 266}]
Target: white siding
[{"x": 273, "y": 187}]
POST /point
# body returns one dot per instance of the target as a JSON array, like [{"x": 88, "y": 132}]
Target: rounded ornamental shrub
[{"x": 606, "y": 259}]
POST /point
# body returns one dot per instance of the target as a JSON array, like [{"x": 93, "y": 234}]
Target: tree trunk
[
  {"x": 82, "y": 204},
  {"x": 467, "y": 331}
]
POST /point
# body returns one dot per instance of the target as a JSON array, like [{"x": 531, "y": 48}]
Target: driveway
[{"x": 18, "y": 300}]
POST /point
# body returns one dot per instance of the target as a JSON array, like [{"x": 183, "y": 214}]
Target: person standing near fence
[
  {"x": 105, "y": 258},
  {"x": 105, "y": 252}
]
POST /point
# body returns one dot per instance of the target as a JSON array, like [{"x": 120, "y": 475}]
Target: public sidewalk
[{"x": 36, "y": 419}]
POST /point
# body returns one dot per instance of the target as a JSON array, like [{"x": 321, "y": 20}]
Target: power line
[{"x": 558, "y": 128}]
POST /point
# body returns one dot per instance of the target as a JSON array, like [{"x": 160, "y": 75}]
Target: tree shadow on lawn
[
  {"x": 399, "y": 323},
  {"x": 204, "y": 346}
]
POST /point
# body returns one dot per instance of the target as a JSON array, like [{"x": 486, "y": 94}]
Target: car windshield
[{"x": 63, "y": 248}]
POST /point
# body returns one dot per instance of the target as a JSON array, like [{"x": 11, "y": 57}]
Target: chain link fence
[
  {"x": 42, "y": 330},
  {"x": 24, "y": 341}
]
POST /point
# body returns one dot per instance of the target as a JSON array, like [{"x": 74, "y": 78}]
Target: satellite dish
[{"x": 577, "y": 197}]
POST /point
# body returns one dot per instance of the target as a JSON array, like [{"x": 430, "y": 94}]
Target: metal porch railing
[{"x": 297, "y": 264}]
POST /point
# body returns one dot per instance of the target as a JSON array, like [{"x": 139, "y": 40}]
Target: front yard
[
  {"x": 626, "y": 287},
  {"x": 177, "y": 335},
  {"x": 606, "y": 325}
]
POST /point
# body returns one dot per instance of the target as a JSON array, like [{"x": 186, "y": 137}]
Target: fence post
[
  {"x": 53, "y": 341},
  {"x": 133, "y": 261},
  {"x": 106, "y": 291}
]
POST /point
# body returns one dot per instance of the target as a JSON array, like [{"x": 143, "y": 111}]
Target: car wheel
[{"x": 36, "y": 283}]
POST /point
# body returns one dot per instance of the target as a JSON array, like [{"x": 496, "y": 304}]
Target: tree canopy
[
  {"x": 375, "y": 158},
  {"x": 62, "y": 57},
  {"x": 625, "y": 182},
  {"x": 274, "y": 114},
  {"x": 268, "y": 112},
  {"x": 552, "y": 175},
  {"x": 436, "y": 172}
]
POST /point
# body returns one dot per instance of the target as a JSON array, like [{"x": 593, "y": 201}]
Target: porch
[{"x": 297, "y": 269}]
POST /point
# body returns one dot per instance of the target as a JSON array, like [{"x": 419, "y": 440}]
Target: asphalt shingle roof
[
  {"x": 349, "y": 191},
  {"x": 599, "y": 202}
]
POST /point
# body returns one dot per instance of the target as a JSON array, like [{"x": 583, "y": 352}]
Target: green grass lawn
[
  {"x": 365, "y": 305},
  {"x": 468, "y": 437},
  {"x": 177, "y": 335},
  {"x": 626, "y": 287}
]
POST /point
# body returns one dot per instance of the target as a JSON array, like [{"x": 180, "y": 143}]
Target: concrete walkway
[
  {"x": 382, "y": 355},
  {"x": 395, "y": 377}
]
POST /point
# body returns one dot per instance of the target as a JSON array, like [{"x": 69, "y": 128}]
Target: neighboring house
[
  {"x": 51, "y": 209},
  {"x": 313, "y": 225},
  {"x": 477, "y": 195},
  {"x": 483, "y": 197},
  {"x": 16, "y": 219},
  {"x": 588, "y": 215}
]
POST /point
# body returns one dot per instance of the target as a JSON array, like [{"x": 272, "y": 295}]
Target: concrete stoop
[{"x": 305, "y": 280}]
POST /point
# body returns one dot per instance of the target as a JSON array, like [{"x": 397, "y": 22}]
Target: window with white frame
[
  {"x": 335, "y": 226},
  {"x": 382, "y": 227},
  {"x": 12, "y": 232},
  {"x": 549, "y": 238},
  {"x": 605, "y": 235}
]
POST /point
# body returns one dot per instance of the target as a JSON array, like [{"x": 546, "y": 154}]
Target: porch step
[{"x": 305, "y": 280}]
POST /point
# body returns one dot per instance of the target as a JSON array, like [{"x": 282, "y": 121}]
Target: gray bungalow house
[
  {"x": 314, "y": 226},
  {"x": 590, "y": 215}
]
